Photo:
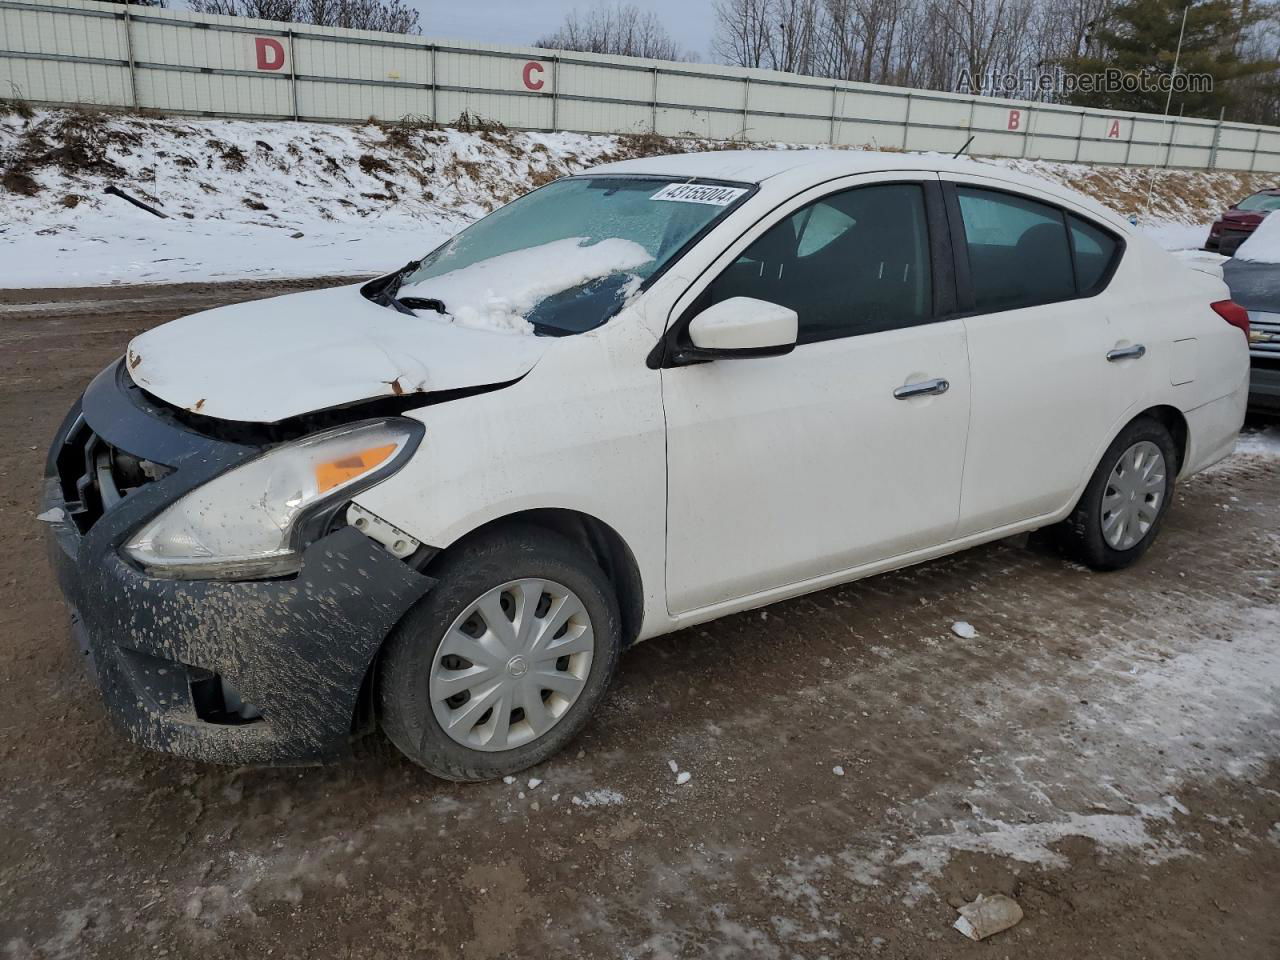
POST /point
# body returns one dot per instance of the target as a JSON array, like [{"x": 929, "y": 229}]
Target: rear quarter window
[{"x": 1096, "y": 252}]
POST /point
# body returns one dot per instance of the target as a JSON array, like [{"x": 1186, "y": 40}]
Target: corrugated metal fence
[{"x": 84, "y": 52}]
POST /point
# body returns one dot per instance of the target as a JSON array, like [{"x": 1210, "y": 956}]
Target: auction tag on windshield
[{"x": 699, "y": 193}]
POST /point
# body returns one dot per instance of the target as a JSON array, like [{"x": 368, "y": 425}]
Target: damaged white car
[{"x": 445, "y": 501}]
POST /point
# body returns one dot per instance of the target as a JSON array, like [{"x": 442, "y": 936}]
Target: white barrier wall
[{"x": 85, "y": 52}]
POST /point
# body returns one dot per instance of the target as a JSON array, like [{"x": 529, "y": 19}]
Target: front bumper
[
  {"x": 1264, "y": 388},
  {"x": 297, "y": 649}
]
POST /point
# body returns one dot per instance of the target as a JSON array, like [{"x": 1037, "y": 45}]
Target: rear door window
[{"x": 1018, "y": 250}]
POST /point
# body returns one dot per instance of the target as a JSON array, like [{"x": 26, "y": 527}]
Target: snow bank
[
  {"x": 1262, "y": 442},
  {"x": 1176, "y": 236},
  {"x": 251, "y": 199},
  {"x": 126, "y": 245},
  {"x": 498, "y": 293},
  {"x": 1263, "y": 245}
]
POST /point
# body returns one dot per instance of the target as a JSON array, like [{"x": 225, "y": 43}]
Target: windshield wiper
[
  {"x": 423, "y": 303},
  {"x": 385, "y": 295}
]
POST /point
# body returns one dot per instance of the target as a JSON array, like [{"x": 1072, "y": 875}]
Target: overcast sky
[{"x": 522, "y": 21}]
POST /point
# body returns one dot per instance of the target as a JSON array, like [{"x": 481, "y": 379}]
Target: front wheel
[
  {"x": 1120, "y": 513},
  {"x": 502, "y": 663}
]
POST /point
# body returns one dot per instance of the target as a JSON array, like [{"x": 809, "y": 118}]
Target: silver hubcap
[
  {"x": 1134, "y": 495},
  {"x": 511, "y": 666}
]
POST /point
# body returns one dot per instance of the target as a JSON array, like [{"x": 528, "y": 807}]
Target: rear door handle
[
  {"x": 1127, "y": 353},
  {"x": 922, "y": 389}
]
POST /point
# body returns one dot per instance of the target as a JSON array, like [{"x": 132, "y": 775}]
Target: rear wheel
[
  {"x": 1120, "y": 513},
  {"x": 504, "y": 660}
]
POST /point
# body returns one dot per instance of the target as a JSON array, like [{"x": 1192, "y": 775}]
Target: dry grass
[
  {"x": 1177, "y": 194},
  {"x": 16, "y": 107},
  {"x": 19, "y": 182}
]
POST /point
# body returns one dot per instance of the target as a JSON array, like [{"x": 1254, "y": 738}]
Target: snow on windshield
[{"x": 498, "y": 293}]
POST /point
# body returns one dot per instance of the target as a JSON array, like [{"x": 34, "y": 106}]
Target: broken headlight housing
[{"x": 247, "y": 522}]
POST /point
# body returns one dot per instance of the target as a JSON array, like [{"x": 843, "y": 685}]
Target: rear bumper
[
  {"x": 173, "y": 657},
  {"x": 1213, "y": 429}
]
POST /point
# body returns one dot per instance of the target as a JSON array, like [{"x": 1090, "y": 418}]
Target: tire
[
  {"x": 1089, "y": 533},
  {"x": 506, "y": 566}
]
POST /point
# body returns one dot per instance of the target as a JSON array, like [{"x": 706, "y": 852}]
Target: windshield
[
  {"x": 1260, "y": 201},
  {"x": 564, "y": 258}
]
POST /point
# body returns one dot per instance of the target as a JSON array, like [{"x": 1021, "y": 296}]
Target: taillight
[{"x": 1234, "y": 314}]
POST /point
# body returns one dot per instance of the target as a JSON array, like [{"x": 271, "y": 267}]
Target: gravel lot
[{"x": 1104, "y": 750}]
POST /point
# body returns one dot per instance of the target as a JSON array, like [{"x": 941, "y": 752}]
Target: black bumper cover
[
  {"x": 1264, "y": 388},
  {"x": 298, "y": 649}
]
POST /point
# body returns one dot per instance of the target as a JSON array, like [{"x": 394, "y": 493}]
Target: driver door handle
[
  {"x": 1135, "y": 352},
  {"x": 922, "y": 389}
]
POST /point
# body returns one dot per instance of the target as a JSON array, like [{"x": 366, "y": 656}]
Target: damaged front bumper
[{"x": 254, "y": 672}]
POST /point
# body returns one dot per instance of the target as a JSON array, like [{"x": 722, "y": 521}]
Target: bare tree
[
  {"x": 742, "y": 32},
  {"x": 621, "y": 29},
  {"x": 389, "y": 16},
  {"x": 933, "y": 44}
]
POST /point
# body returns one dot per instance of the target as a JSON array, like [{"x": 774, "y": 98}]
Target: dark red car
[{"x": 1233, "y": 227}]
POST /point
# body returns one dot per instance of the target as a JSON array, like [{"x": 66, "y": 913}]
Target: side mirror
[{"x": 740, "y": 327}]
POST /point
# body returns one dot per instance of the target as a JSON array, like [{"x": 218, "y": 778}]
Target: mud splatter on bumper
[{"x": 297, "y": 649}]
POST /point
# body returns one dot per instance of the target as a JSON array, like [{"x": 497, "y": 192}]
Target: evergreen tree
[{"x": 1140, "y": 39}]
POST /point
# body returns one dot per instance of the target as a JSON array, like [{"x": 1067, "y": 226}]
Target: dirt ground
[{"x": 1105, "y": 750}]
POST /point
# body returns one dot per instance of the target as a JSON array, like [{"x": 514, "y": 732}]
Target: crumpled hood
[{"x": 267, "y": 360}]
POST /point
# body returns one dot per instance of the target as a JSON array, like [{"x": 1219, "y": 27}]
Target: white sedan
[{"x": 634, "y": 400}]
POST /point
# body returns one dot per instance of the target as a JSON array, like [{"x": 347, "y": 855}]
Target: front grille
[
  {"x": 1264, "y": 335},
  {"x": 94, "y": 476}
]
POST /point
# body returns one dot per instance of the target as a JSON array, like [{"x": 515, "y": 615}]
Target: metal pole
[
  {"x": 1168, "y": 102},
  {"x": 906, "y": 123},
  {"x": 1079, "y": 136},
  {"x": 746, "y": 104},
  {"x": 1217, "y": 135},
  {"x": 435, "y": 55},
  {"x": 555, "y": 92},
  {"x": 1168, "y": 147},
  {"x": 653, "y": 104},
  {"x": 832, "y": 135},
  {"x": 1026, "y": 133},
  {"x": 1253, "y": 154},
  {"x": 293, "y": 74},
  {"x": 128, "y": 47}
]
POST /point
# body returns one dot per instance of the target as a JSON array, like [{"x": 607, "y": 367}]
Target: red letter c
[{"x": 530, "y": 68}]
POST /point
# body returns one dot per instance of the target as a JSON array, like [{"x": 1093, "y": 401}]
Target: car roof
[
  {"x": 757, "y": 166},
  {"x": 802, "y": 167}
]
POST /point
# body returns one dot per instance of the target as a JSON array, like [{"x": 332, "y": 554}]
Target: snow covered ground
[
  {"x": 1176, "y": 236},
  {"x": 130, "y": 246},
  {"x": 257, "y": 200},
  {"x": 1259, "y": 442},
  {"x": 250, "y": 200}
]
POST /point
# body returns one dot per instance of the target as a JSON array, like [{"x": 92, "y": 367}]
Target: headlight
[{"x": 244, "y": 523}]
